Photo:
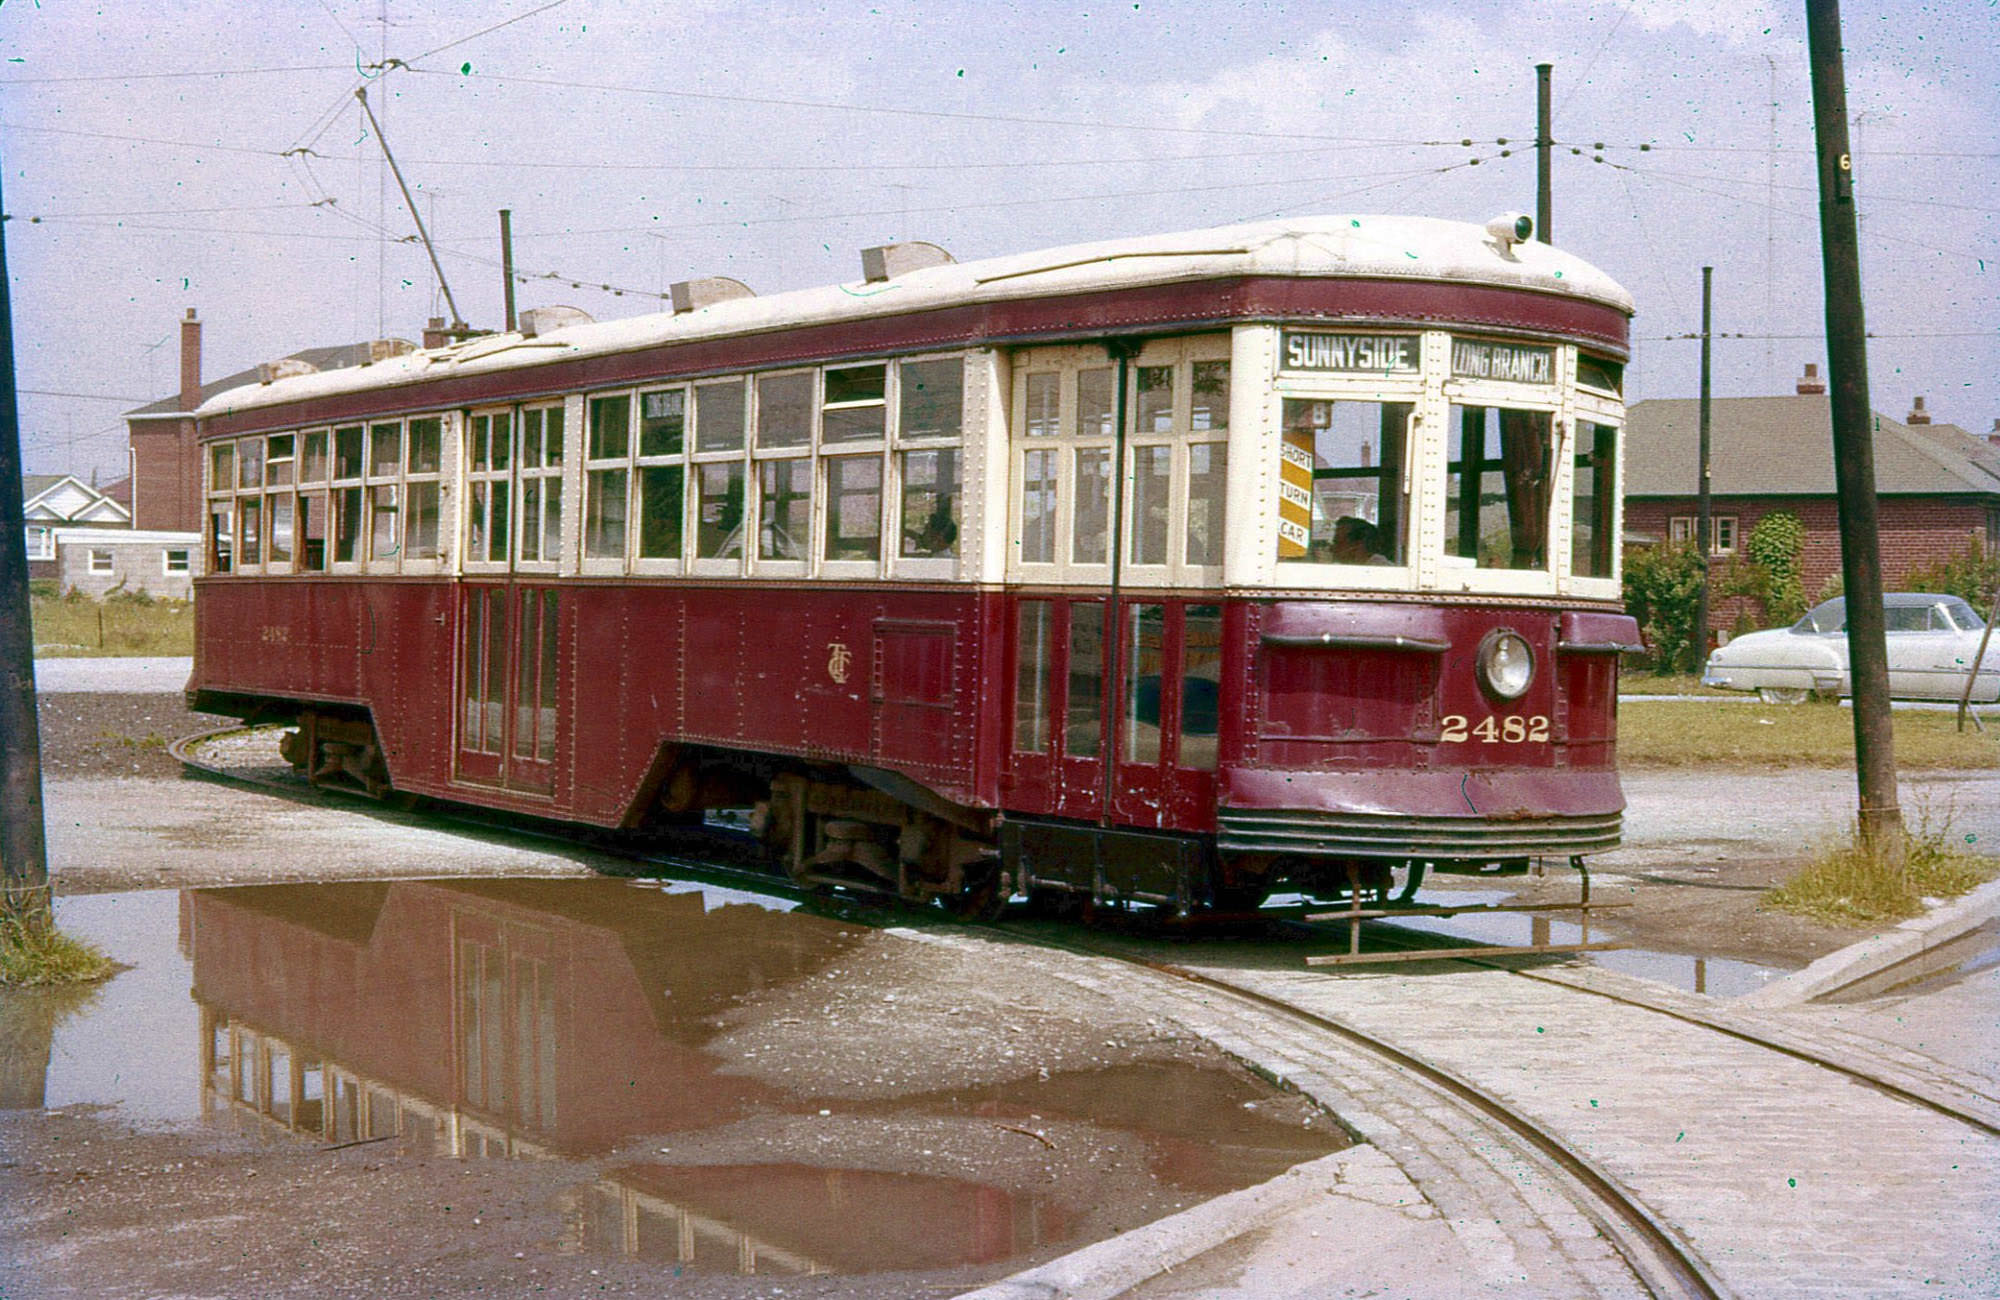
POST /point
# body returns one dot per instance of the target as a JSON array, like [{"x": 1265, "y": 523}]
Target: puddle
[
  {"x": 1720, "y": 976},
  {"x": 667, "y": 1042}
]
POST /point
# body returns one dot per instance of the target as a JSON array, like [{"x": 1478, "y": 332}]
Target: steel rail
[
  {"x": 1988, "y": 1123},
  {"x": 1663, "y": 1263}
]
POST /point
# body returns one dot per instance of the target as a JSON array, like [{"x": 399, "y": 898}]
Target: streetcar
[{"x": 1171, "y": 570}]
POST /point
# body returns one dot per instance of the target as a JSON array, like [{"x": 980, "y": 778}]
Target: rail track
[{"x": 1570, "y": 1227}]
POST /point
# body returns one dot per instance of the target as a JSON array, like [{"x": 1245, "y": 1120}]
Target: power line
[
  {"x": 166, "y": 76},
  {"x": 943, "y": 114}
]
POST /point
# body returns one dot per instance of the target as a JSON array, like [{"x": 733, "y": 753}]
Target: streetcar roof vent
[
  {"x": 541, "y": 320},
  {"x": 383, "y": 349},
  {"x": 891, "y": 260},
  {"x": 285, "y": 368},
  {"x": 692, "y": 295}
]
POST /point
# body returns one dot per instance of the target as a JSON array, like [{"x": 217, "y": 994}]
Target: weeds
[
  {"x": 34, "y": 953},
  {"x": 1850, "y": 884}
]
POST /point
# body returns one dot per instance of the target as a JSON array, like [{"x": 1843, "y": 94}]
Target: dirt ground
[{"x": 257, "y": 1216}]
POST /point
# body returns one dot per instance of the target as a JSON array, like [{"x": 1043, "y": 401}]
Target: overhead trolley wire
[{"x": 943, "y": 114}]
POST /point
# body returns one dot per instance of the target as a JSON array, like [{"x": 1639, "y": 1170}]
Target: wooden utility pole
[
  {"x": 1704, "y": 520},
  {"x": 507, "y": 263},
  {"x": 24, "y": 864},
  {"x": 1544, "y": 141},
  {"x": 1881, "y": 819}
]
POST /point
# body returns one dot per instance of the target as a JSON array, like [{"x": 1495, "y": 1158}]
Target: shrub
[
  {"x": 1662, "y": 591},
  {"x": 1776, "y": 548},
  {"x": 1972, "y": 573}
]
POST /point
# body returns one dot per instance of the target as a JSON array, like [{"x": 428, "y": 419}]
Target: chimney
[
  {"x": 435, "y": 335},
  {"x": 1994, "y": 437},
  {"x": 1918, "y": 415},
  {"x": 1810, "y": 383},
  {"x": 190, "y": 361}
]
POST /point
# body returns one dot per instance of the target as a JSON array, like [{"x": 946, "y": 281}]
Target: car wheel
[{"x": 1783, "y": 694}]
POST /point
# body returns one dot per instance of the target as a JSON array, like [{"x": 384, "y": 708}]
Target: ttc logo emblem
[{"x": 838, "y": 657}]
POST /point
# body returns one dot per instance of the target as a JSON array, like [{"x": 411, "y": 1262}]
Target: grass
[
  {"x": 1649, "y": 683},
  {"x": 34, "y": 953},
  {"x": 1670, "y": 734},
  {"x": 1850, "y": 884},
  {"x": 73, "y": 625}
]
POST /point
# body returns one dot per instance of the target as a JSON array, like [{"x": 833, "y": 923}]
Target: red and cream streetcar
[{"x": 1172, "y": 569}]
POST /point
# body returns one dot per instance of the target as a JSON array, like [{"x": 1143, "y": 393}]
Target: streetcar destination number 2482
[{"x": 1533, "y": 730}]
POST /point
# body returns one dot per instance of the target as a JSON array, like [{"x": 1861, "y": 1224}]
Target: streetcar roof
[{"x": 1352, "y": 247}]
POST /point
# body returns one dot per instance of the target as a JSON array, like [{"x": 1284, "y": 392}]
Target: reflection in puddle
[
  {"x": 793, "y": 1218},
  {"x": 1719, "y": 976},
  {"x": 589, "y": 1021}
]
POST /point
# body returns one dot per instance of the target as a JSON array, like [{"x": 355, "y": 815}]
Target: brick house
[{"x": 1937, "y": 485}]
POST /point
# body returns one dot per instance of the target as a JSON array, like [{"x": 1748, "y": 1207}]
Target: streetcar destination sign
[
  {"x": 1519, "y": 362},
  {"x": 1376, "y": 354}
]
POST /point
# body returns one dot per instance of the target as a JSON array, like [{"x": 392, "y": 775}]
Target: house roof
[
  {"x": 1783, "y": 446},
  {"x": 334, "y": 358},
  {"x": 65, "y": 498}
]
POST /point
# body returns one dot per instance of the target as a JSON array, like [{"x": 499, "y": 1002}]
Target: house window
[
  {"x": 174, "y": 560},
  {"x": 1722, "y": 532},
  {"x": 41, "y": 543},
  {"x": 100, "y": 561}
]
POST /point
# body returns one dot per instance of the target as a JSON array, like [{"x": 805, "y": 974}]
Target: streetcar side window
[
  {"x": 1593, "y": 542},
  {"x": 719, "y": 510},
  {"x": 853, "y": 508},
  {"x": 659, "y": 476},
  {"x": 1497, "y": 487},
  {"x": 424, "y": 491},
  {"x": 607, "y": 477},
  {"x": 490, "y": 499},
  {"x": 930, "y": 422},
  {"x": 1341, "y": 470}
]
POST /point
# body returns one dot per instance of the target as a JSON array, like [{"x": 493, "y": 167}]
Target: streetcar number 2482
[{"x": 1533, "y": 730}]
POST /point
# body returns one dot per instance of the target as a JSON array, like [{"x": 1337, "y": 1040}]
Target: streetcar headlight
[
  {"x": 1511, "y": 228},
  {"x": 1506, "y": 664}
]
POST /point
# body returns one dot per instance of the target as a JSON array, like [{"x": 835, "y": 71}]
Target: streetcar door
[
  {"x": 508, "y": 661},
  {"x": 1055, "y": 751},
  {"x": 1165, "y": 714}
]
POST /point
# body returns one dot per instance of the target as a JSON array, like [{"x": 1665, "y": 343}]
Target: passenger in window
[
  {"x": 1356, "y": 541},
  {"x": 940, "y": 532}
]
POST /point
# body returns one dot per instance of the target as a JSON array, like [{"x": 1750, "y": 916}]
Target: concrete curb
[
  {"x": 1111, "y": 1268},
  {"x": 1858, "y": 961}
]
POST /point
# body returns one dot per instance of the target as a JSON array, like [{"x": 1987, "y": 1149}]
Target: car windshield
[
  {"x": 1828, "y": 617},
  {"x": 1962, "y": 614}
]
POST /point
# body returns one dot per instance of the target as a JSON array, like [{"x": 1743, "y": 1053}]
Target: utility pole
[
  {"x": 507, "y": 262},
  {"x": 1881, "y": 819},
  {"x": 1544, "y": 141},
  {"x": 1704, "y": 516},
  {"x": 24, "y": 862}
]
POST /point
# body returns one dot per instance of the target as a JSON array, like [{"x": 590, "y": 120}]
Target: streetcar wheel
[
  {"x": 984, "y": 897},
  {"x": 1783, "y": 694}
]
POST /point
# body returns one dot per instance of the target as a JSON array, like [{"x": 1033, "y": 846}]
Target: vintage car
[{"x": 1932, "y": 640}]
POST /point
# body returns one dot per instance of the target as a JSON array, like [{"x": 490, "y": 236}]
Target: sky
[{"x": 213, "y": 155}]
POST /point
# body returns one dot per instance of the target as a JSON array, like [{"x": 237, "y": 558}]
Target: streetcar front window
[
  {"x": 1497, "y": 487},
  {"x": 1593, "y": 539},
  {"x": 1341, "y": 490}
]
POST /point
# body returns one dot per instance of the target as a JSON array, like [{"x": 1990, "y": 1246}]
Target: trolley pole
[
  {"x": 1881, "y": 819},
  {"x": 24, "y": 863},
  {"x": 1544, "y": 141},
  {"x": 1704, "y": 514}
]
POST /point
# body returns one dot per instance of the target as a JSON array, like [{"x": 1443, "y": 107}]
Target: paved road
[{"x": 113, "y": 676}]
